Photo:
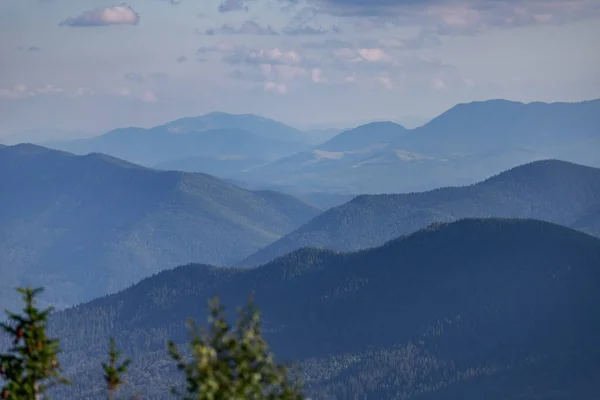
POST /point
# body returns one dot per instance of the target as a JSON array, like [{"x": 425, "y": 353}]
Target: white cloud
[
  {"x": 386, "y": 82},
  {"x": 82, "y": 91},
  {"x": 439, "y": 84},
  {"x": 317, "y": 75},
  {"x": 350, "y": 78},
  {"x": 246, "y": 28},
  {"x": 278, "y": 88},
  {"x": 103, "y": 16},
  {"x": 373, "y": 55},
  {"x": 49, "y": 89},
  {"x": 17, "y": 91},
  {"x": 149, "y": 96},
  {"x": 262, "y": 56},
  {"x": 20, "y": 91}
]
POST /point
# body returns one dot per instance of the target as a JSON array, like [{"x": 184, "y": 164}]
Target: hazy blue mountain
[
  {"x": 224, "y": 165},
  {"x": 40, "y": 136},
  {"x": 413, "y": 121},
  {"x": 461, "y": 146},
  {"x": 365, "y": 136},
  {"x": 554, "y": 191},
  {"x": 485, "y": 125},
  {"x": 316, "y": 136},
  {"x": 475, "y": 309},
  {"x": 321, "y": 200},
  {"x": 260, "y": 126},
  {"x": 163, "y": 144},
  {"x": 87, "y": 225}
]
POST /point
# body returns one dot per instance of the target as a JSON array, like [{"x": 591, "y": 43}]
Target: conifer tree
[
  {"x": 30, "y": 367},
  {"x": 113, "y": 371},
  {"x": 227, "y": 365}
]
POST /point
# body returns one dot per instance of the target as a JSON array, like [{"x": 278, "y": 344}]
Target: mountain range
[
  {"x": 461, "y": 146},
  {"x": 474, "y": 309},
  {"x": 550, "y": 190},
  {"x": 216, "y": 136},
  {"x": 88, "y": 225}
]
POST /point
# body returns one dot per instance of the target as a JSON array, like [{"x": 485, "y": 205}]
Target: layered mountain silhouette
[
  {"x": 551, "y": 190},
  {"x": 87, "y": 225},
  {"x": 217, "y": 136},
  {"x": 478, "y": 308},
  {"x": 461, "y": 146}
]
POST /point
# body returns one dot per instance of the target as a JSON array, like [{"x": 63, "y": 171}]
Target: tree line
[{"x": 224, "y": 362}]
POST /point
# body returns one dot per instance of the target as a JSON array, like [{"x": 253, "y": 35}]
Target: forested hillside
[
  {"x": 551, "y": 190},
  {"x": 83, "y": 226},
  {"x": 475, "y": 309}
]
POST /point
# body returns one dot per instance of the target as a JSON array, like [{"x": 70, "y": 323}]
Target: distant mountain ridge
[
  {"x": 551, "y": 190},
  {"x": 214, "y": 136},
  {"x": 475, "y": 309},
  {"x": 371, "y": 134},
  {"x": 461, "y": 146},
  {"x": 88, "y": 225},
  {"x": 261, "y": 126}
]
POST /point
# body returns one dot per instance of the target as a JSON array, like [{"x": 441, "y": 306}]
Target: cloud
[
  {"x": 317, "y": 75},
  {"x": 48, "y": 89},
  {"x": 278, "y": 88},
  {"x": 233, "y": 5},
  {"x": 146, "y": 96},
  {"x": 243, "y": 55},
  {"x": 373, "y": 55},
  {"x": 221, "y": 47},
  {"x": 452, "y": 17},
  {"x": 307, "y": 30},
  {"x": 270, "y": 73},
  {"x": 17, "y": 91},
  {"x": 385, "y": 81},
  {"x": 419, "y": 41},
  {"x": 104, "y": 16},
  {"x": 360, "y": 55},
  {"x": 247, "y": 28},
  {"x": 20, "y": 91},
  {"x": 155, "y": 78},
  {"x": 328, "y": 44},
  {"x": 31, "y": 49},
  {"x": 82, "y": 91},
  {"x": 253, "y": 28},
  {"x": 181, "y": 59},
  {"x": 149, "y": 96}
]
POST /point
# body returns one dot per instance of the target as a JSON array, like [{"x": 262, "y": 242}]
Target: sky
[{"x": 94, "y": 65}]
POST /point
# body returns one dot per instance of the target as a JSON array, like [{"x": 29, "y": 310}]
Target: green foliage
[
  {"x": 224, "y": 365},
  {"x": 113, "y": 371},
  {"x": 31, "y": 367},
  {"x": 228, "y": 365}
]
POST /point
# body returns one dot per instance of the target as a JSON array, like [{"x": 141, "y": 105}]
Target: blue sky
[{"x": 93, "y": 65}]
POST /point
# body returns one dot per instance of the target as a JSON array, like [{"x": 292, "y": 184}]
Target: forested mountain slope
[
  {"x": 475, "y": 309},
  {"x": 87, "y": 225},
  {"x": 550, "y": 190}
]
